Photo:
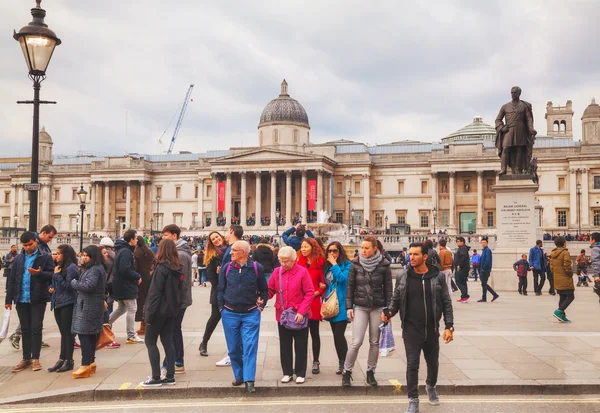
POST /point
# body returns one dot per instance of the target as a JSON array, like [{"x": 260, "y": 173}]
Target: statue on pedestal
[{"x": 515, "y": 135}]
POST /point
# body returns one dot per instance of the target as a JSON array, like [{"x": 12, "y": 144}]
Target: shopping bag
[
  {"x": 5, "y": 323},
  {"x": 386, "y": 341},
  {"x": 105, "y": 337}
]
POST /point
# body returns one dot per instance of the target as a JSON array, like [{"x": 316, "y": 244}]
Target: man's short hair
[
  {"x": 474, "y": 251},
  {"x": 237, "y": 230},
  {"x": 595, "y": 236},
  {"x": 429, "y": 243},
  {"x": 172, "y": 229},
  {"x": 460, "y": 239},
  {"x": 442, "y": 242},
  {"x": 485, "y": 239},
  {"x": 28, "y": 236},
  {"x": 539, "y": 242},
  {"x": 13, "y": 246},
  {"x": 129, "y": 235},
  {"x": 560, "y": 241},
  {"x": 49, "y": 229},
  {"x": 301, "y": 231},
  {"x": 422, "y": 245}
]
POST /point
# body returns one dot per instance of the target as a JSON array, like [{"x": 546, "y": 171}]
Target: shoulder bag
[
  {"x": 288, "y": 315},
  {"x": 331, "y": 305}
]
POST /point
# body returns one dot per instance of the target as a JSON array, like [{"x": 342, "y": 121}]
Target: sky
[{"x": 368, "y": 71}]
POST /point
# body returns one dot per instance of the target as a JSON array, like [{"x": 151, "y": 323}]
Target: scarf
[{"x": 369, "y": 264}]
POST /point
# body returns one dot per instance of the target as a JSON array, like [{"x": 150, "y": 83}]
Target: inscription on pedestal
[{"x": 516, "y": 219}]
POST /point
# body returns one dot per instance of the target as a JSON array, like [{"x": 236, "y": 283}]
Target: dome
[
  {"x": 284, "y": 110},
  {"x": 477, "y": 130},
  {"x": 592, "y": 111},
  {"x": 45, "y": 136}
]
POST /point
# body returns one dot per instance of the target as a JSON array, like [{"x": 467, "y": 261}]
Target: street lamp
[
  {"x": 116, "y": 229},
  {"x": 578, "y": 186},
  {"x": 386, "y": 222},
  {"x": 157, "y": 211},
  {"x": 37, "y": 43},
  {"x": 277, "y": 215},
  {"x": 434, "y": 220},
  {"x": 349, "y": 193},
  {"x": 82, "y": 194},
  {"x": 16, "y": 219}
]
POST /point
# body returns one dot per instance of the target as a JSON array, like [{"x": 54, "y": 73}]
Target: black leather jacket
[
  {"x": 442, "y": 302},
  {"x": 374, "y": 290}
]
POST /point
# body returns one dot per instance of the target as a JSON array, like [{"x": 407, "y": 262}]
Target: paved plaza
[{"x": 513, "y": 341}]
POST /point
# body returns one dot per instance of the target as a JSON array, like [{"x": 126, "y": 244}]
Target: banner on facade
[
  {"x": 312, "y": 195},
  {"x": 221, "y": 196}
]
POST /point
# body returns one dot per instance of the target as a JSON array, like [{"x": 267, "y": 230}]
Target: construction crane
[{"x": 179, "y": 120}]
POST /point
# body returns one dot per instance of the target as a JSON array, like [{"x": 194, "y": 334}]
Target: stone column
[
  {"x": 320, "y": 205},
  {"x": 349, "y": 217},
  {"x": 93, "y": 195},
  {"x": 128, "y": 206},
  {"x": 585, "y": 200},
  {"x": 13, "y": 204},
  {"x": 106, "y": 191},
  {"x": 21, "y": 212},
  {"x": 200, "y": 220},
  {"x": 573, "y": 198},
  {"x": 303, "y": 189},
  {"x": 452, "y": 211},
  {"x": 244, "y": 210},
  {"x": 215, "y": 194},
  {"x": 288, "y": 198},
  {"x": 258, "y": 198},
  {"x": 367, "y": 199},
  {"x": 480, "y": 222},
  {"x": 228, "y": 198},
  {"x": 142, "y": 223},
  {"x": 273, "y": 197},
  {"x": 434, "y": 190}
]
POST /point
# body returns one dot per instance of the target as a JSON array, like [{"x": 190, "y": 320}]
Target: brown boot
[
  {"x": 23, "y": 364},
  {"x": 93, "y": 367},
  {"x": 82, "y": 372},
  {"x": 35, "y": 365},
  {"x": 142, "y": 329}
]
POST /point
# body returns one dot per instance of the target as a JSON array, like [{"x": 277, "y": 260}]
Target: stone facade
[{"x": 402, "y": 186}]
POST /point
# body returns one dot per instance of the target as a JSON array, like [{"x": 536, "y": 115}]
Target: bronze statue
[{"x": 515, "y": 135}]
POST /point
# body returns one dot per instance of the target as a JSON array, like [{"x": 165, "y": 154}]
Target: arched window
[
  {"x": 556, "y": 126},
  {"x": 295, "y": 135},
  {"x": 563, "y": 126},
  {"x": 276, "y": 136}
]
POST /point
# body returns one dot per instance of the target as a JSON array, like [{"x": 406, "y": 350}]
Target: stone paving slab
[{"x": 511, "y": 346}]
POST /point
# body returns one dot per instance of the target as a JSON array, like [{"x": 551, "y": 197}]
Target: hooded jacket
[
  {"x": 165, "y": 293},
  {"x": 369, "y": 290},
  {"x": 562, "y": 268},
  {"x": 39, "y": 283},
  {"x": 461, "y": 258},
  {"x": 435, "y": 289},
  {"x": 124, "y": 276},
  {"x": 185, "y": 255},
  {"x": 64, "y": 294},
  {"x": 486, "y": 259},
  {"x": 536, "y": 258},
  {"x": 263, "y": 254}
]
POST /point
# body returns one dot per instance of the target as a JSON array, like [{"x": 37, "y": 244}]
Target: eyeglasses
[{"x": 334, "y": 251}]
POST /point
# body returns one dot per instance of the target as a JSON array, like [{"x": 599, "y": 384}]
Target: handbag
[
  {"x": 5, "y": 324},
  {"x": 331, "y": 306},
  {"x": 105, "y": 337},
  {"x": 288, "y": 315}
]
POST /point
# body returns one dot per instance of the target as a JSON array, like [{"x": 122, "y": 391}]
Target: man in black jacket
[
  {"x": 462, "y": 266},
  {"x": 125, "y": 280},
  {"x": 421, "y": 296},
  {"x": 27, "y": 287}
]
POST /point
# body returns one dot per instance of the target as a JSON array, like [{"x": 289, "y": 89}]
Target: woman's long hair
[
  {"x": 95, "y": 255},
  {"x": 316, "y": 252},
  {"x": 167, "y": 252},
  {"x": 342, "y": 256},
  {"x": 142, "y": 246},
  {"x": 68, "y": 257},
  {"x": 211, "y": 250}
]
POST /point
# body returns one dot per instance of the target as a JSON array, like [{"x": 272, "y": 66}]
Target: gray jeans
[
  {"x": 365, "y": 317},
  {"x": 448, "y": 277},
  {"x": 129, "y": 307}
]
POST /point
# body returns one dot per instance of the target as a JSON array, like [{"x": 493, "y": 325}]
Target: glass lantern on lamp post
[{"x": 82, "y": 194}]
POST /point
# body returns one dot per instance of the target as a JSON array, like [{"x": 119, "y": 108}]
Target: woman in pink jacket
[{"x": 297, "y": 289}]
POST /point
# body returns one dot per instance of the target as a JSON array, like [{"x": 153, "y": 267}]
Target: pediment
[{"x": 262, "y": 155}]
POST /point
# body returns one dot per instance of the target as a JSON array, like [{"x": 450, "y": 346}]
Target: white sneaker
[
  {"x": 286, "y": 379},
  {"x": 224, "y": 362},
  {"x": 300, "y": 380}
]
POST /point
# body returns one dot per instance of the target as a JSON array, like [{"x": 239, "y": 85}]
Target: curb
[{"x": 196, "y": 389}]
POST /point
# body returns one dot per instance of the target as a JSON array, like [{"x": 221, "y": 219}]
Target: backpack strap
[{"x": 228, "y": 268}]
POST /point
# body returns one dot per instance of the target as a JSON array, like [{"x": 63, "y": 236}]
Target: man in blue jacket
[
  {"x": 537, "y": 263},
  {"x": 27, "y": 287},
  {"x": 486, "y": 269},
  {"x": 295, "y": 241}
]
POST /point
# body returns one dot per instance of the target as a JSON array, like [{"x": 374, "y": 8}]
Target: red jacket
[
  {"x": 317, "y": 276},
  {"x": 298, "y": 291}
]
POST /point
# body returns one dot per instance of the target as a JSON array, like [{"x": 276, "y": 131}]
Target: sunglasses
[{"x": 334, "y": 251}]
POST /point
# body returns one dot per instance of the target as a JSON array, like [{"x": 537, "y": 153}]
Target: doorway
[{"x": 468, "y": 222}]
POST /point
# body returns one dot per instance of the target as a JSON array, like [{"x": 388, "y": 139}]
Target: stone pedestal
[{"x": 517, "y": 223}]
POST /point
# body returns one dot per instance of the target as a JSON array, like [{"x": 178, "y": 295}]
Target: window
[
  {"x": 159, "y": 221},
  {"x": 74, "y": 223},
  {"x": 74, "y": 195},
  {"x": 338, "y": 188},
  {"x": 378, "y": 188},
  {"x": 208, "y": 191},
  {"x": 124, "y": 193},
  {"x": 195, "y": 220},
  {"x": 490, "y": 218},
  {"x": 444, "y": 186},
  {"x": 56, "y": 222},
  {"x": 490, "y": 184},
  {"x": 275, "y": 136},
  {"x": 196, "y": 192},
  {"x": 339, "y": 217},
  {"x": 400, "y": 187},
  {"x": 357, "y": 187},
  {"x": 561, "y": 217},
  {"x": 178, "y": 192},
  {"x": 239, "y": 188},
  {"x": 562, "y": 184},
  {"x": 159, "y": 191},
  {"x": 596, "y": 213},
  {"x": 401, "y": 217},
  {"x": 597, "y": 182},
  {"x": 357, "y": 217},
  {"x": 5, "y": 222},
  {"x": 379, "y": 219},
  {"x": 424, "y": 219},
  {"x": 7, "y": 197},
  {"x": 467, "y": 185},
  {"x": 444, "y": 219},
  {"x": 295, "y": 135},
  {"x": 177, "y": 218},
  {"x": 424, "y": 187},
  {"x": 57, "y": 194}
]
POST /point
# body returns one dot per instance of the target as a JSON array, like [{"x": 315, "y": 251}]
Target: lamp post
[
  {"x": 578, "y": 186},
  {"x": 116, "y": 229},
  {"x": 386, "y": 222},
  {"x": 349, "y": 193},
  {"x": 434, "y": 220},
  {"x": 37, "y": 44},
  {"x": 82, "y": 194},
  {"x": 151, "y": 227},
  {"x": 277, "y": 215},
  {"x": 352, "y": 222},
  {"x": 157, "y": 212}
]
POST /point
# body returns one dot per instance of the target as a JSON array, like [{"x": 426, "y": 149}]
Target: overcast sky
[{"x": 371, "y": 71}]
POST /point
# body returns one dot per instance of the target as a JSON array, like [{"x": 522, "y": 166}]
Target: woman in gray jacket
[{"x": 89, "y": 309}]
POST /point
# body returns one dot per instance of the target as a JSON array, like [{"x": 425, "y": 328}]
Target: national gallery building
[{"x": 403, "y": 187}]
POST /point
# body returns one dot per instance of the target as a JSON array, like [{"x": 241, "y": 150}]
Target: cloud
[{"x": 375, "y": 72}]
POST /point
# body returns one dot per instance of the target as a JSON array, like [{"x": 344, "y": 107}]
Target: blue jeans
[
  {"x": 241, "y": 335},
  {"x": 202, "y": 275}
]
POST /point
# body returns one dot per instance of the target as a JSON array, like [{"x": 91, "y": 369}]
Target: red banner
[
  {"x": 312, "y": 195},
  {"x": 221, "y": 196}
]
